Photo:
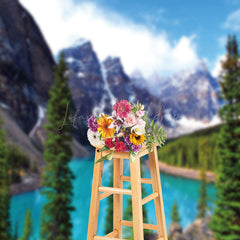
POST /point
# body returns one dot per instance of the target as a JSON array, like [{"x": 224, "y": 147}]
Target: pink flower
[
  {"x": 122, "y": 108},
  {"x": 140, "y": 113},
  {"x": 130, "y": 120},
  {"x": 141, "y": 122}
]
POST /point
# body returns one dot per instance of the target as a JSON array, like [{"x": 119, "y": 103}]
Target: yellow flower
[
  {"x": 137, "y": 139},
  {"x": 104, "y": 122}
]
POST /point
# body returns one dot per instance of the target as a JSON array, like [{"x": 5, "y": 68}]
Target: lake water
[{"x": 185, "y": 191}]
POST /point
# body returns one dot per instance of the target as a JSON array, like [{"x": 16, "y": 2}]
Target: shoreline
[
  {"x": 29, "y": 184},
  {"x": 185, "y": 172},
  {"x": 33, "y": 181}
]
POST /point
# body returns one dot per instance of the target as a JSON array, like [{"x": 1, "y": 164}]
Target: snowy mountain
[
  {"x": 96, "y": 85},
  {"x": 188, "y": 97},
  {"x": 191, "y": 94}
]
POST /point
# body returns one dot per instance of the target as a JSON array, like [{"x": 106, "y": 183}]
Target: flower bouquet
[{"x": 126, "y": 130}]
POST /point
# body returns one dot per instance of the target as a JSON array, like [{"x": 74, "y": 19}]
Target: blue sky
[
  {"x": 165, "y": 36},
  {"x": 204, "y": 18}
]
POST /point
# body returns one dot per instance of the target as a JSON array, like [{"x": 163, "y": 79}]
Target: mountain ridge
[{"x": 193, "y": 97}]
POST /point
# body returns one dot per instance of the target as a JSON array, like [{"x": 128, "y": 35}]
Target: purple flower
[
  {"x": 126, "y": 149},
  {"x": 136, "y": 148},
  {"x": 92, "y": 124},
  {"x": 127, "y": 140}
]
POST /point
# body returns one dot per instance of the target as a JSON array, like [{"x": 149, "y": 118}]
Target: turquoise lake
[{"x": 185, "y": 191}]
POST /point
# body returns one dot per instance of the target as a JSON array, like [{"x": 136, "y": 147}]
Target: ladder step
[
  {"x": 104, "y": 195},
  {"x": 149, "y": 198},
  {"x": 145, "y": 225},
  {"x": 115, "y": 190},
  {"x": 143, "y": 180},
  {"x": 104, "y": 238}
]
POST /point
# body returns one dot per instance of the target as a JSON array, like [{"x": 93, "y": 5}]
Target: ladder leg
[
  {"x": 136, "y": 199},
  {"x": 117, "y": 198},
  {"x": 158, "y": 201},
  {"x": 95, "y": 197}
]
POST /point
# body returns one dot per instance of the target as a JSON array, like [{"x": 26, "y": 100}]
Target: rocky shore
[
  {"x": 28, "y": 184},
  {"x": 198, "y": 230},
  {"x": 185, "y": 172}
]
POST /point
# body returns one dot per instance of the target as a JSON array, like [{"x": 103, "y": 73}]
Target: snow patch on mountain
[
  {"x": 80, "y": 42},
  {"x": 3, "y": 105},
  {"x": 188, "y": 125},
  {"x": 70, "y": 60},
  {"x": 104, "y": 75},
  {"x": 41, "y": 115},
  {"x": 80, "y": 74}
]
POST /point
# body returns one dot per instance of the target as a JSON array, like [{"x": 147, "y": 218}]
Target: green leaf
[
  {"x": 155, "y": 128},
  {"x": 104, "y": 158},
  {"x": 151, "y": 124},
  {"x": 104, "y": 148},
  {"x": 110, "y": 156},
  {"x": 132, "y": 156}
]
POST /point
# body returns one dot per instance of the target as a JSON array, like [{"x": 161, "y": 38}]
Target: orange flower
[{"x": 104, "y": 122}]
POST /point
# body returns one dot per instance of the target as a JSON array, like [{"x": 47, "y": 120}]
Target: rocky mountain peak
[
  {"x": 113, "y": 65},
  {"x": 26, "y": 64},
  {"x": 80, "y": 51}
]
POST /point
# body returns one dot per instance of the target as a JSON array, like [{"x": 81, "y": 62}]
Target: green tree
[
  {"x": 202, "y": 200},
  {"x": 57, "y": 176},
  {"x": 226, "y": 218},
  {"x": 15, "y": 233},
  {"x": 174, "y": 213},
  {"x": 5, "y": 227},
  {"x": 109, "y": 217},
  {"x": 27, "y": 230}
]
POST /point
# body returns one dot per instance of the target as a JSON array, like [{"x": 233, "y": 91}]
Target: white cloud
[
  {"x": 218, "y": 66},
  {"x": 63, "y": 22},
  {"x": 233, "y": 21}
]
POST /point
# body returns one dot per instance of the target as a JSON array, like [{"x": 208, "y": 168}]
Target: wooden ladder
[{"x": 99, "y": 193}]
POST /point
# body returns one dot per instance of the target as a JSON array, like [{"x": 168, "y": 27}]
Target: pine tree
[
  {"x": 15, "y": 234},
  {"x": 226, "y": 218},
  {"x": 57, "y": 176},
  {"x": 175, "y": 218},
  {"x": 27, "y": 230},
  {"x": 109, "y": 217},
  {"x": 202, "y": 200},
  {"x": 5, "y": 227}
]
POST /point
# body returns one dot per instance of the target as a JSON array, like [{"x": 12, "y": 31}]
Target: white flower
[
  {"x": 141, "y": 107},
  {"x": 94, "y": 138},
  {"x": 138, "y": 129}
]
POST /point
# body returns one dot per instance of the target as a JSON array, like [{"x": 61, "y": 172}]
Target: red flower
[
  {"x": 109, "y": 143},
  {"x": 120, "y": 147}
]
